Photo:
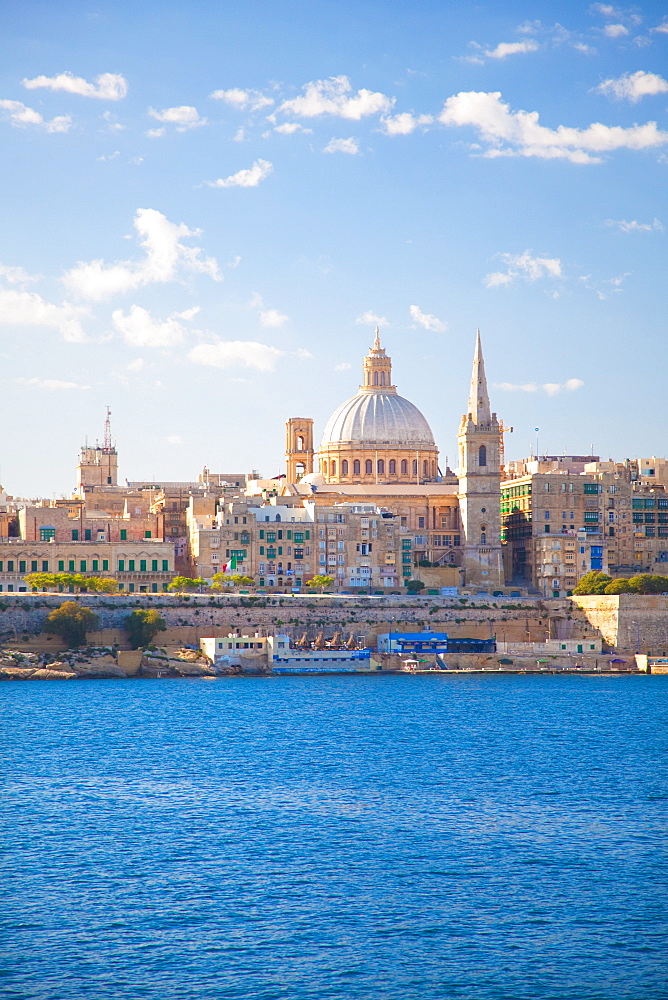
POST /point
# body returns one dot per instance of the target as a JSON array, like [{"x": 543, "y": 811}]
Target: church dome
[{"x": 378, "y": 419}]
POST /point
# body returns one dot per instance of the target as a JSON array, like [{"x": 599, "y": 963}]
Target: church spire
[
  {"x": 376, "y": 343},
  {"x": 479, "y": 408}
]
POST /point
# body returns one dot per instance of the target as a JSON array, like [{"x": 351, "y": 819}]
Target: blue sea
[{"x": 372, "y": 838}]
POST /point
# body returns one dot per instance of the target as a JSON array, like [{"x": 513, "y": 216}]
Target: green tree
[
  {"x": 41, "y": 581},
  {"x": 182, "y": 583},
  {"x": 71, "y": 622},
  {"x": 143, "y": 626},
  {"x": 648, "y": 583},
  {"x": 592, "y": 583},
  {"x": 221, "y": 580},
  {"x": 414, "y": 586},
  {"x": 102, "y": 585},
  {"x": 619, "y": 586},
  {"x": 320, "y": 581}
]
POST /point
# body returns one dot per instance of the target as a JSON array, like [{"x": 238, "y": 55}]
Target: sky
[{"x": 208, "y": 207}]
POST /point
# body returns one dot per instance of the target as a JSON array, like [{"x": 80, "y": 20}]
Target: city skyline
[{"x": 206, "y": 217}]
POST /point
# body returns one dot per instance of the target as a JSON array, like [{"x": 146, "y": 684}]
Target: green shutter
[
  {"x": 82, "y": 566},
  {"x": 154, "y": 565},
  {"x": 105, "y": 564},
  {"x": 124, "y": 534},
  {"x": 61, "y": 565},
  {"x": 131, "y": 565},
  {"x": 121, "y": 565},
  {"x": 142, "y": 565},
  {"x": 165, "y": 565}
]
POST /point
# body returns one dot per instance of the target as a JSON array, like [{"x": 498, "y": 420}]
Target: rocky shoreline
[{"x": 105, "y": 664}]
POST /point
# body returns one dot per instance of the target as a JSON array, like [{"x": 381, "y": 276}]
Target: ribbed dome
[{"x": 378, "y": 420}]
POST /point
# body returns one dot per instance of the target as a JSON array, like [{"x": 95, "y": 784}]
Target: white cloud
[
  {"x": 188, "y": 314},
  {"x": 243, "y": 100},
  {"x": 350, "y": 146},
  {"x": 335, "y": 96},
  {"x": 268, "y": 317},
  {"x": 302, "y": 354},
  {"x": 29, "y": 309},
  {"x": 139, "y": 329},
  {"x": 16, "y": 275},
  {"x": 183, "y": 118},
  {"x": 21, "y": 116},
  {"x": 504, "y": 49},
  {"x": 174, "y": 439},
  {"x": 108, "y": 156},
  {"x": 49, "y": 383},
  {"x": 615, "y": 30},
  {"x": 289, "y": 128},
  {"x": 234, "y": 353},
  {"x": 661, "y": 28},
  {"x": 345, "y": 366},
  {"x": 112, "y": 123},
  {"x": 518, "y": 133},
  {"x": 551, "y": 388},
  {"x": 250, "y": 177},
  {"x": 633, "y": 86},
  {"x": 155, "y": 133},
  {"x": 404, "y": 123},
  {"x": 636, "y": 227},
  {"x": 428, "y": 321},
  {"x": 166, "y": 256},
  {"x": 523, "y": 265},
  {"x": 106, "y": 86},
  {"x": 136, "y": 365},
  {"x": 370, "y": 318}
]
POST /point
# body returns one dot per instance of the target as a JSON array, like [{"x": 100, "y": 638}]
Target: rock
[
  {"x": 17, "y": 673},
  {"x": 193, "y": 669},
  {"x": 46, "y": 674}
]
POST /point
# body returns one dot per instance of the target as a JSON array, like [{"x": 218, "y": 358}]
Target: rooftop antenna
[{"x": 107, "y": 431}]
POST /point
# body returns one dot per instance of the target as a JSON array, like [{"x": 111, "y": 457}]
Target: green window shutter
[
  {"x": 75, "y": 534},
  {"x": 61, "y": 565},
  {"x": 22, "y": 566},
  {"x": 121, "y": 565},
  {"x": 147, "y": 534},
  {"x": 131, "y": 565},
  {"x": 165, "y": 565},
  {"x": 87, "y": 535},
  {"x": 82, "y": 566},
  {"x": 308, "y": 535},
  {"x": 96, "y": 565},
  {"x": 261, "y": 548},
  {"x": 289, "y": 533},
  {"x": 280, "y": 549},
  {"x": 154, "y": 565},
  {"x": 261, "y": 532},
  {"x": 142, "y": 565},
  {"x": 70, "y": 565},
  {"x": 33, "y": 566},
  {"x": 124, "y": 534},
  {"x": 45, "y": 566},
  {"x": 105, "y": 564}
]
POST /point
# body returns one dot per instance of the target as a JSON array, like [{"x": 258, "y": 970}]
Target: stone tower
[
  {"x": 98, "y": 466},
  {"x": 298, "y": 448},
  {"x": 480, "y": 484}
]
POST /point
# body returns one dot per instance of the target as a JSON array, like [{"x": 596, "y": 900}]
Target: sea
[{"x": 483, "y": 837}]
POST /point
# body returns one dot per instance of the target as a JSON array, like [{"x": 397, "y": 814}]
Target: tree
[
  {"x": 648, "y": 583},
  {"x": 181, "y": 583},
  {"x": 320, "y": 581},
  {"x": 592, "y": 583},
  {"x": 40, "y": 581},
  {"x": 143, "y": 626},
  {"x": 414, "y": 586},
  {"x": 231, "y": 580},
  {"x": 619, "y": 586},
  {"x": 71, "y": 622}
]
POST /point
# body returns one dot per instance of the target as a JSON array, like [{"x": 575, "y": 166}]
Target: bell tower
[
  {"x": 298, "y": 448},
  {"x": 479, "y": 476},
  {"x": 377, "y": 372}
]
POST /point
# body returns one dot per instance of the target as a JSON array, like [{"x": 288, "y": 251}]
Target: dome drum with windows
[{"x": 377, "y": 435}]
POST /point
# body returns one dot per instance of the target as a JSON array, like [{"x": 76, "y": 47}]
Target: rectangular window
[
  {"x": 131, "y": 565},
  {"x": 22, "y": 566},
  {"x": 10, "y": 565},
  {"x": 82, "y": 566},
  {"x": 45, "y": 566},
  {"x": 288, "y": 534},
  {"x": 87, "y": 534},
  {"x": 591, "y": 488},
  {"x": 420, "y": 522},
  {"x": 165, "y": 565},
  {"x": 33, "y": 566},
  {"x": 154, "y": 565},
  {"x": 147, "y": 534},
  {"x": 308, "y": 535},
  {"x": 121, "y": 565},
  {"x": 280, "y": 534},
  {"x": 124, "y": 534},
  {"x": 75, "y": 534},
  {"x": 142, "y": 565},
  {"x": 262, "y": 550},
  {"x": 47, "y": 534},
  {"x": 261, "y": 532},
  {"x": 96, "y": 565},
  {"x": 70, "y": 565},
  {"x": 105, "y": 565},
  {"x": 61, "y": 565}
]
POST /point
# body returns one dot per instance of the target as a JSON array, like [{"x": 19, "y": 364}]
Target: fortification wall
[{"x": 629, "y": 622}]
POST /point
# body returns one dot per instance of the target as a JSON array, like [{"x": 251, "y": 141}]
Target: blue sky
[{"x": 207, "y": 207}]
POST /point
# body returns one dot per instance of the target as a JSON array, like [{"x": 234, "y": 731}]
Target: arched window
[
  {"x": 277, "y": 518},
  {"x": 333, "y": 467},
  {"x": 415, "y": 466},
  {"x": 344, "y": 467},
  {"x": 300, "y": 469},
  {"x": 300, "y": 443},
  {"x": 368, "y": 467},
  {"x": 381, "y": 467},
  {"x": 482, "y": 455},
  {"x": 375, "y": 378},
  {"x": 483, "y": 534},
  {"x": 382, "y": 378},
  {"x": 393, "y": 467},
  {"x": 424, "y": 469},
  {"x": 404, "y": 467},
  {"x": 356, "y": 467},
  {"x": 324, "y": 468}
]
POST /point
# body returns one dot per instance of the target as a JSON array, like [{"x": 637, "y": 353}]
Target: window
[
  {"x": 131, "y": 565},
  {"x": 154, "y": 565},
  {"x": 415, "y": 466},
  {"x": 10, "y": 565},
  {"x": 75, "y": 534},
  {"x": 420, "y": 522},
  {"x": 482, "y": 455},
  {"x": 356, "y": 467},
  {"x": 87, "y": 535},
  {"x": 393, "y": 467},
  {"x": 96, "y": 565},
  {"x": 45, "y": 566},
  {"x": 344, "y": 467},
  {"x": 165, "y": 565},
  {"x": 404, "y": 467},
  {"x": 381, "y": 467},
  {"x": 61, "y": 565},
  {"x": 33, "y": 566},
  {"x": 121, "y": 565},
  {"x": 105, "y": 565},
  {"x": 47, "y": 533},
  {"x": 591, "y": 488},
  {"x": 70, "y": 565},
  {"x": 333, "y": 472},
  {"x": 82, "y": 566},
  {"x": 142, "y": 565},
  {"x": 368, "y": 467},
  {"x": 124, "y": 534},
  {"x": 147, "y": 534}
]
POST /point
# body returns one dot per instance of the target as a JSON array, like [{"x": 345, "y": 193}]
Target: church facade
[{"x": 378, "y": 448}]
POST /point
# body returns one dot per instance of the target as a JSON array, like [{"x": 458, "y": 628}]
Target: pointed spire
[
  {"x": 376, "y": 343},
  {"x": 479, "y": 407}
]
